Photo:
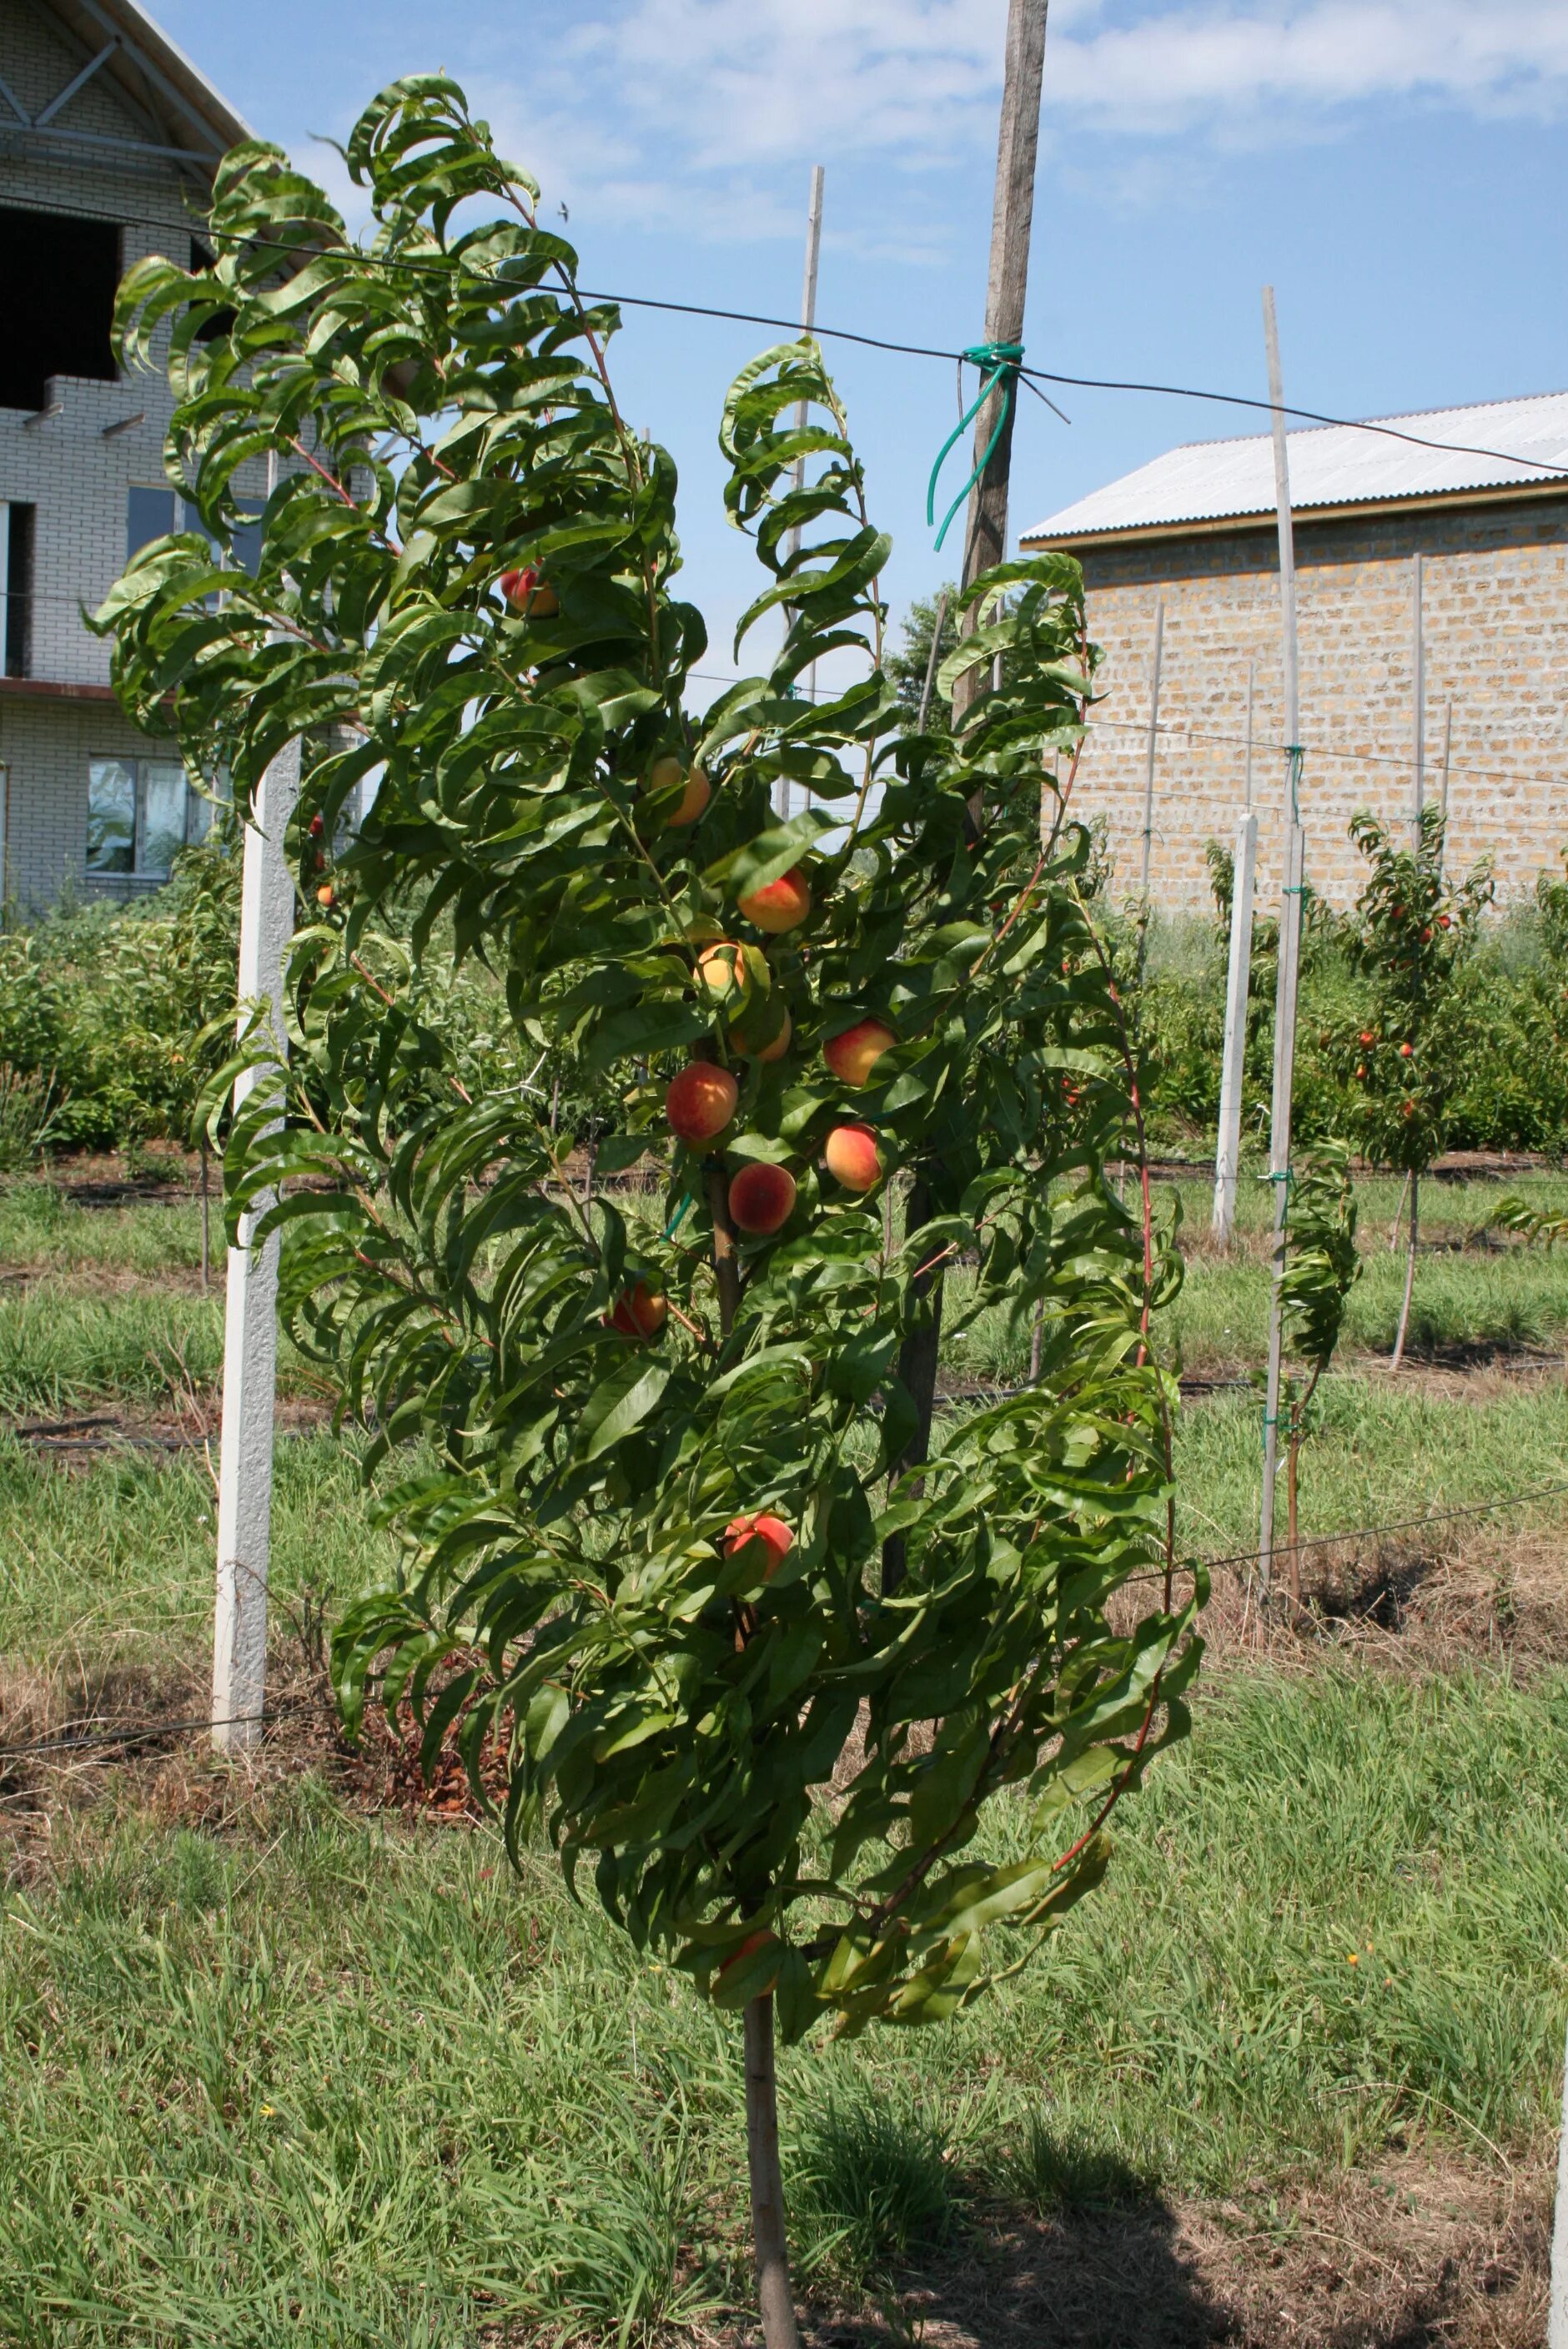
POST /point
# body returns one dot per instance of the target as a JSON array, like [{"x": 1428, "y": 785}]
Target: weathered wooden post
[{"x": 250, "y": 1316}]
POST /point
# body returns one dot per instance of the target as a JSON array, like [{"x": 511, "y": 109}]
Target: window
[
  {"x": 16, "y": 578},
  {"x": 149, "y": 514},
  {"x": 57, "y": 281},
  {"x": 140, "y": 812}
]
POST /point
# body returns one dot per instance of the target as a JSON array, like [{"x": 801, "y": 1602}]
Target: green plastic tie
[
  {"x": 672, "y": 1226},
  {"x": 999, "y": 364},
  {"x": 1293, "y": 755}
]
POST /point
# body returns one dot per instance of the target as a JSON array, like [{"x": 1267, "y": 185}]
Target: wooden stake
[
  {"x": 250, "y": 1318},
  {"x": 933, "y": 660},
  {"x": 1149, "y": 783},
  {"x": 1419, "y": 712},
  {"x": 1289, "y": 952},
  {"x": 1228, "y": 1143},
  {"x": 986, "y": 530},
  {"x": 803, "y": 416},
  {"x": 1251, "y": 681},
  {"x": 985, "y": 544}
]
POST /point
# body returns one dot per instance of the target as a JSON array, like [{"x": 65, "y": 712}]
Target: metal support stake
[{"x": 249, "y": 1320}]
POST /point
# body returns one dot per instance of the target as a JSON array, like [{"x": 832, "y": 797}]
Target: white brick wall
[{"x": 64, "y": 467}]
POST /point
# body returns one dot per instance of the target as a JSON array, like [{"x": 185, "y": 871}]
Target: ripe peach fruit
[
  {"x": 665, "y": 774},
  {"x": 525, "y": 591},
  {"x": 778, "y": 905},
  {"x": 852, "y": 1157},
  {"x": 853, "y": 1053},
  {"x": 762, "y": 1198},
  {"x": 700, "y": 1102},
  {"x": 774, "y": 1050},
  {"x": 772, "y": 1533},
  {"x": 326, "y": 894},
  {"x": 638, "y": 1312},
  {"x": 721, "y": 971}
]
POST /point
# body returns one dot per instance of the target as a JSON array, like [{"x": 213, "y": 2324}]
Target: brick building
[
  {"x": 1195, "y": 530},
  {"x": 108, "y": 138}
]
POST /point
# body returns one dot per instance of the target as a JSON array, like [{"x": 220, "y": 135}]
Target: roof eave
[{"x": 1219, "y": 526}]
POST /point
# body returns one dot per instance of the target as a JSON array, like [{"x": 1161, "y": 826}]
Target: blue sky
[{"x": 1397, "y": 168}]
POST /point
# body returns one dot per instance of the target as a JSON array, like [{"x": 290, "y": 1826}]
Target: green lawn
[
  {"x": 315, "y": 2079},
  {"x": 278, "y": 2069}
]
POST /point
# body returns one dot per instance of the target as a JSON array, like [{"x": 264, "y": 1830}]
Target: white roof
[{"x": 1330, "y": 465}]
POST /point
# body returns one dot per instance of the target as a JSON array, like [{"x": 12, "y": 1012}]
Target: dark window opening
[
  {"x": 19, "y": 520},
  {"x": 58, "y": 281},
  {"x": 221, "y": 321},
  {"x": 151, "y": 513}
]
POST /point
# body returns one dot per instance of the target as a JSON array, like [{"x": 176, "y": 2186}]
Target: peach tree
[
  {"x": 1413, "y": 930},
  {"x": 649, "y": 1450}
]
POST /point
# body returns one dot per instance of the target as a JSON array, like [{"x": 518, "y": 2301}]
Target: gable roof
[
  {"x": 1338, "y": 466},
  {"x": 184, "y": 118}
]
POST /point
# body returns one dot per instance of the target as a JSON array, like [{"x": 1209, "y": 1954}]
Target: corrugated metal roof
[{"x": 1330, "y": 465}]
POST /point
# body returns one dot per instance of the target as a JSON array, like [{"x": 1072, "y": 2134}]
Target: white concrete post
[
  {"x": 250, "y": 1319},
  {"x": 1557, "y": 2313},
  {"x": 1228, "y": 1146}
]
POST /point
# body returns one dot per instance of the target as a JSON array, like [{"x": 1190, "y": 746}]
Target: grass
[
  {"x": 275, "y": 2069},
  {"x": 367, "y": 2087},
  {"x": 113, "y": 1567}
]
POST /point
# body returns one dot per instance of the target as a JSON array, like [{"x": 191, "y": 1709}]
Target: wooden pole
[
  {"x": 1228, "y": 1143},
  {"x": 1447, "y": 747},
  {"x": 1289, "y": 950},
  {"x": 1153, "y": 739},
  {"x": 1252, "y": 681},
  {"x": 1011, "y": 217},
  {"x": 250, "y": 1316},
  {"x": 1149, "y": 783},
  {"x": 1418, "y": 710},
  {"x": 933, "y": 660},
  {"x": 802, "y": 414},
  {"x": 985, "y": 544}
]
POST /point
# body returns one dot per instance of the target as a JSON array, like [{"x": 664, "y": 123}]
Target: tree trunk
[
  {"x": 774, "y": 2298},
  {"x": 917, "y": 1365},
  {"x": 1410, "y": 1273}
]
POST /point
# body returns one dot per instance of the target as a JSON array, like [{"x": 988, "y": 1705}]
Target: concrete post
[
  {"x": 249, "y": 1320},
  {"x": 1557, "y": 2312},
  {"x": 1228, "y": 1146}
]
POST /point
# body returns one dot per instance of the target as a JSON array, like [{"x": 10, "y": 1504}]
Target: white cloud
[
  {"x": 694, "y": 116},
  {"x": 1231, "y": 66}
]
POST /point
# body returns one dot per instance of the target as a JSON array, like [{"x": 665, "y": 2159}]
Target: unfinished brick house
[
  {"x": 108, "y": 139},
  {"x": 1195, "y": 530}
]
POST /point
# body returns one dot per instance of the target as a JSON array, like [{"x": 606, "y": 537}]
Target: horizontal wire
[
  {"x": 1396, "y": 1526},
  {"x": 879, "y": 343},
  {"x": 147, "y": 1732},
  {"x": 1432, "y": 766},
  {"x": 143, "y": 1733}
]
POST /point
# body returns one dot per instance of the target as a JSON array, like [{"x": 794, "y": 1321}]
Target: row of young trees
[{"x": 758, "y": 1668}]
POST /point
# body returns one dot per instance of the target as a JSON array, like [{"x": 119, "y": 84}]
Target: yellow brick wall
[{"x": 1495, "y": 604}]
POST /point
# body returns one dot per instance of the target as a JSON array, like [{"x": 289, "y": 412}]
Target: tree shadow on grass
[{"x": 1069, "y": 2248}]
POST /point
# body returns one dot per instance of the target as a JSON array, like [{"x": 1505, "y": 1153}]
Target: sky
[{"x": 1396, "y": 167}]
